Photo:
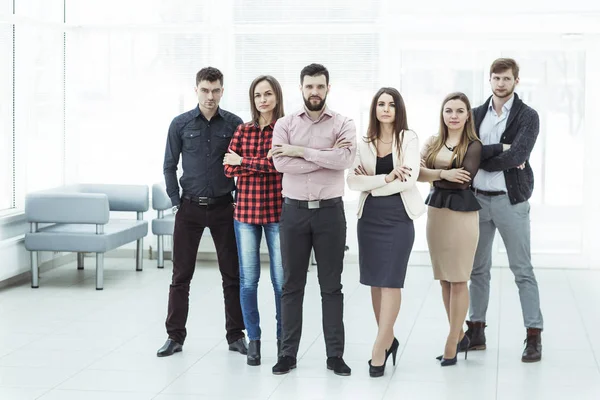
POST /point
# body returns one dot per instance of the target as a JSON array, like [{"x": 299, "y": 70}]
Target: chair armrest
[{"x": 160, "y": 200}]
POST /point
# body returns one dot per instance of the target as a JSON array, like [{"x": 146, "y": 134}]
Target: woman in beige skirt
[{"x": 449, "y": 161}]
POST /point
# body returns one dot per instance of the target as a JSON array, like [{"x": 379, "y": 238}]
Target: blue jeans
[{"x": 248, "y": 237}]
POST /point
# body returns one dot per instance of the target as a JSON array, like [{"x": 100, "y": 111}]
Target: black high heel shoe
[
  {"x": 464, "y": 343},
  {"x": 377, "y": 371}
]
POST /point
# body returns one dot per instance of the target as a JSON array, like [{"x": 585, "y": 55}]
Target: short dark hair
[
  {"x": 278, "y": 111},
  {"x": 504, "y": 64},
  {"x": 314, "y": 70},
  {"x": 210, "y": 74}
]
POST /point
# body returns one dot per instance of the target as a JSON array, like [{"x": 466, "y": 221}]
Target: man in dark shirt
[{"x": 201, "y": 137}]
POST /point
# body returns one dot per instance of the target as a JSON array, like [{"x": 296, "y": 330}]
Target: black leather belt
[
  {"x": 209, "y": 201},
  {"x": 311, "y": 205},
  {"x": 488, "y": 193}
]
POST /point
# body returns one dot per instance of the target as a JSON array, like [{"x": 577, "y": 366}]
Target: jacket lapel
[
  {"x": 480, "y": 114},
  {"x": 372, "y": 158},
  {"x": 514, "y": 111}
]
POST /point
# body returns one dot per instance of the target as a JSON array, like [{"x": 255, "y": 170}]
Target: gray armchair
[{"x": 78, "y": 218}]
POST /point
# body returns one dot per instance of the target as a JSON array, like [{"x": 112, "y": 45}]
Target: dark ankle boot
[
  {"x": 476, "y": 335},
  {"x": 253, "y": 357},
  {"x": 533, "y": 346}
]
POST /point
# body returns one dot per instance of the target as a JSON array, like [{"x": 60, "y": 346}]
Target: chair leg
[
  {"x": 161, "y": 251},
  {"x": 35, "y": 283},
  {"x": 139, "y": 256},
  {"x": 99, "y": 271},
  {"x": 79, "y": 260}
]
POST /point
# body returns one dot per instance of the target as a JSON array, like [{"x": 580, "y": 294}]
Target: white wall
[{"x": 129, "y": 70}]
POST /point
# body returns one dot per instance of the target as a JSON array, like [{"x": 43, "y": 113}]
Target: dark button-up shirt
[{"x": 202, "y": 145}]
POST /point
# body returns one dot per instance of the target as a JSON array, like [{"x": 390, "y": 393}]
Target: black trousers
[
  {"x": 300, "y": 230},
  {"x": 190, "y": 222}
]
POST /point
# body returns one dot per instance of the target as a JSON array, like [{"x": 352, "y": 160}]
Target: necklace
[
  {"x": 451, "y": 148},
  {"x": 390, "y": 142}
]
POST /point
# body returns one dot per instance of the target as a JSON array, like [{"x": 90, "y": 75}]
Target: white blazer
[{"x": 366, "y": 155}]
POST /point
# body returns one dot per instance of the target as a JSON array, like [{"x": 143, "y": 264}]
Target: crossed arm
[
  {"x": 359, "y": 179},
  {"x": 293, "y": 159},
  {"x": 515, "y": 155},
  {"x": 455, "y": 178},
  {"x": 249, "y": 165}
]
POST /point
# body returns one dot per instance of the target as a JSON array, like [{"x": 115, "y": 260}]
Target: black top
[
  {"x": 458, "y": 196},
  {"x": 202, "y": 145},
  {"x": 522, "y": 129},
  {"x": 384, "y": 165}
]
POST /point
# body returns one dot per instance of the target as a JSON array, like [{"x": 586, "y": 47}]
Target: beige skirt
[{"x": 452, "y": 237}]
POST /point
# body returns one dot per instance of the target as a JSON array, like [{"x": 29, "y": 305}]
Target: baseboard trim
[{"x": 43, "y": 267}]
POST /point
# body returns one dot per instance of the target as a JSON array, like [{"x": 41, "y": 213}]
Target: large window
[
  {"x": 6, "y": 107},
  {"x": 32, "y": 98},
  {"x": 97, "y": 85}
]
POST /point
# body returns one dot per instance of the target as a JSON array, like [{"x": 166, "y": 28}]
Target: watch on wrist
[{"x": 174, "y": 209}]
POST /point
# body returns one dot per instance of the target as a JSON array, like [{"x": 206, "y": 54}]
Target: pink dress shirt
[{"x": 320, "y": 174}]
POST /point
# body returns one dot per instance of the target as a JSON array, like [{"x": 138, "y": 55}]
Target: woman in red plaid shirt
[{"x": 259, "y": 201}]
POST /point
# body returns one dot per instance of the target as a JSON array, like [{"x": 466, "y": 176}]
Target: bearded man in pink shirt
[{"x": 312, "y": 147}]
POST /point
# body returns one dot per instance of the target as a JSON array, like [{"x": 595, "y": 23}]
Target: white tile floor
[{"x": 66, "y": 341}]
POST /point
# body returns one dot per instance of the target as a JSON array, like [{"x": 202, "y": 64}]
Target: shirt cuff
[{"x": 175, "y": 201}]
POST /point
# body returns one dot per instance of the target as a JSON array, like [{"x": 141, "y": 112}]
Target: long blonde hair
[{"x": 468, "y": 134}]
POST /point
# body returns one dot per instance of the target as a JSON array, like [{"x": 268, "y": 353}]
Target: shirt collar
[
  {"x": 326, "y": 111},
  {"x": 196, "y": 112},
  {"x": 506, "y": 107},
  {"x": 257, "y": 125}
]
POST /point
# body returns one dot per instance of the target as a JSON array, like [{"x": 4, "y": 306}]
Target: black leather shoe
[
  {"x": 464, "y": 343},
  {"x": 240, "y": 346},
  {"x": 533, "y": 346},
  {"x": 169, "y": 348},
  {"x": 253, "y": 357},
  {"x": 338, "y": 366},
  {"x": 376, "y": 371},
  {"x": 284, "y": 365}
]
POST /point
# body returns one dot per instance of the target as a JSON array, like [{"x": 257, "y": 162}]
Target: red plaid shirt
[{"x": 258, "y": 194}]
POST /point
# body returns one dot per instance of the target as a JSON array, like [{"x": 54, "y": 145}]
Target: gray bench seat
[{"x": 83, "y": 237}]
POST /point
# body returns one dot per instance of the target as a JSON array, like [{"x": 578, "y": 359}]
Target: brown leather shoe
[
  {"x": 533, "y": 346},
  {"x": 476, "y": 335}
]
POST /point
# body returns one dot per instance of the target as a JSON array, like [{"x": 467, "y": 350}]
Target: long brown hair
[
  {"x": 400, "y": 121},
  {"x": 468, "y": 134},
  {"x": 278, "y": 110}
]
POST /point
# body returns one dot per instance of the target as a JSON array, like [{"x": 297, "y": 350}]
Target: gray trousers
[
  {"x": 323, "y": 230},
  {"x": 512, "y": 221}
]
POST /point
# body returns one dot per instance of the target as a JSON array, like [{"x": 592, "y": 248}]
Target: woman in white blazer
[{"x": 386, "y": 170}]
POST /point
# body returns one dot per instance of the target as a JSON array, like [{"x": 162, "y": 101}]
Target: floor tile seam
[
  {"x": 582, "y": 320},
  {"x": 423, "y": 302},
  {"x": 187, "y": 369}
]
